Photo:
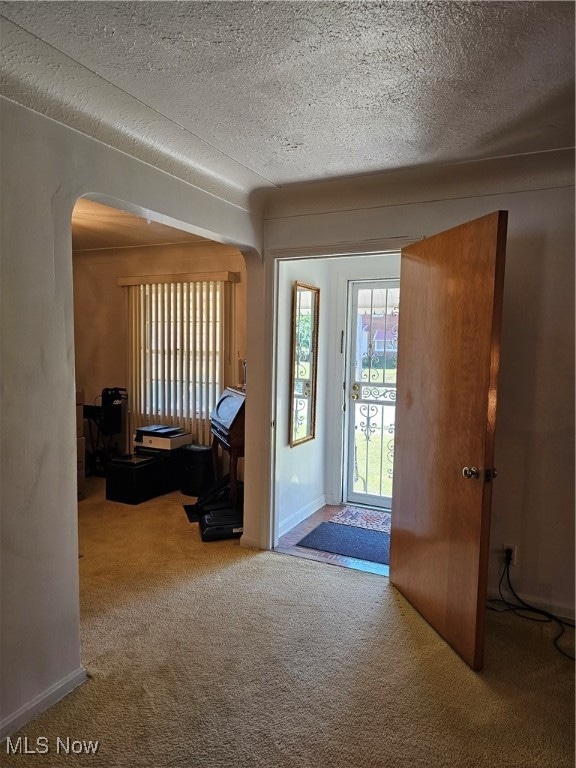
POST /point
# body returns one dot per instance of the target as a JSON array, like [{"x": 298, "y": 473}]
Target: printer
[{"x": 160, "y": 437}]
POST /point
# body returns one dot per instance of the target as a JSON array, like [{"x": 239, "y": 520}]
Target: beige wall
[{"x": 99, "y": 305}]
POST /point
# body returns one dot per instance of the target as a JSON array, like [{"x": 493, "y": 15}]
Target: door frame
[
  {"x": 394, "y": 282},
  {"x": 343, "y": 274}
]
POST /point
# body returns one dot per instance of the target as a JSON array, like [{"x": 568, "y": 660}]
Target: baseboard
[
  {"x": 44, "y": 700},
  {"x": 250, "y": 542},
  {"x": 301, "y": 514},
  {"x": 558, "y": 609}
]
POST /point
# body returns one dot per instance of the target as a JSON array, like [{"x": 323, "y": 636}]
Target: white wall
[
  {"x": 533, "y": 503},
  {"x": 299, "y": 477},
  {"x": 45, "y": 168}
]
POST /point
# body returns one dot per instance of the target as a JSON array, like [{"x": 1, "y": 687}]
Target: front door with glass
[{"x": 371, "y": 391}]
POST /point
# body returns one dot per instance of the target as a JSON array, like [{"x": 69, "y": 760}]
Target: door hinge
[
  {"x": 341, "y": 342},
  {"x": 273, "y": 424}
]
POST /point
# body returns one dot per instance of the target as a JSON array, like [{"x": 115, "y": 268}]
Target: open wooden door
[{"x": 451, "y": 287}]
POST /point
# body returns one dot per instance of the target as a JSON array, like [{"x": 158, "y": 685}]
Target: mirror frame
[{"x": 314, "y": 293}]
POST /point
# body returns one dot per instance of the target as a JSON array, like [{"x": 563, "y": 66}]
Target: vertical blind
[{"x": 176, "y": 336}]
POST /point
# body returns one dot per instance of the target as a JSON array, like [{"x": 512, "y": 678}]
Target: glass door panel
[{"x": 373, "y": 334}]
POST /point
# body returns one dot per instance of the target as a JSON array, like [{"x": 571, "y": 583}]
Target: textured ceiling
[{"x": 261, "y": 93}]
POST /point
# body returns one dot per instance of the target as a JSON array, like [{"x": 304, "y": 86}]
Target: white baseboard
[
  {"x": 301, "y": 514},
  {"x": 558, "y": 609},
  {"x": 39, "y": 703}
]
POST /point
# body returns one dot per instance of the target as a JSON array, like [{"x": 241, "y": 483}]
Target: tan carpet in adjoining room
[{"x": 216, "y": 656}]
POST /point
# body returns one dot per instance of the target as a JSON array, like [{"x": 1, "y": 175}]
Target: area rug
[
  {"x": 362, "y": 517},
  {"x": 350, "y": 541}
]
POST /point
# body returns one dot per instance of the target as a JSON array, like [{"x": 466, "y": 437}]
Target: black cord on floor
[{"x": 527, "y": 608}]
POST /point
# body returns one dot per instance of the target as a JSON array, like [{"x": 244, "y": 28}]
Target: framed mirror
[{"x": 305, "y": 308}]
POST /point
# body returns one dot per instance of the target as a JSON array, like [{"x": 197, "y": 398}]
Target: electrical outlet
[{"x": 514, "y": 549}]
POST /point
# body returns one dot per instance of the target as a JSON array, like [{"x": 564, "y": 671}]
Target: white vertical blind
[{"x": 176, "y": 337}]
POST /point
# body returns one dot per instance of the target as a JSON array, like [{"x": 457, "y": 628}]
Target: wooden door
[{"x": 448, "y": 359}]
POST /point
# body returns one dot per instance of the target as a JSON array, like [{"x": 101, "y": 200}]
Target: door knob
[{"x": 471, "y": 472}]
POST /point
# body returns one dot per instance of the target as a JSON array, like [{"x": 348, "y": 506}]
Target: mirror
[{"x": 304, "y": 362}]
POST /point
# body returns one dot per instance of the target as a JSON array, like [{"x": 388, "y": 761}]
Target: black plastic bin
[{"x": 197, "y": 469}]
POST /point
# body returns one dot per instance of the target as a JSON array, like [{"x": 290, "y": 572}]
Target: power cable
[{"x": 522, "y": 605}]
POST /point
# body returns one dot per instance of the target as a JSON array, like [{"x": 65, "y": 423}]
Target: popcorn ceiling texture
[{"x": 250, "y": 94}]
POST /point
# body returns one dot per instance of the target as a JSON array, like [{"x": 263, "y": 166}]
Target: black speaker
[{"x": 113, "y": 409}]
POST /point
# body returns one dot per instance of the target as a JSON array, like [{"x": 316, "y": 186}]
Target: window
[{"x": 177, "y": 332}]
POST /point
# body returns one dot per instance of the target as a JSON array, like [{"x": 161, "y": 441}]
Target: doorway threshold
[{"x": 287, "y": 544}]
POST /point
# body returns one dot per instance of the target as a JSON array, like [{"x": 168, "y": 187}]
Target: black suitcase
[
  {"x": 215, "y": 528},
  {"x": 216, "y": 502}
]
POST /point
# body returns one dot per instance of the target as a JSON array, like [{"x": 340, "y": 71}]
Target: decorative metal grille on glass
[{"x": 374, "y": 390}]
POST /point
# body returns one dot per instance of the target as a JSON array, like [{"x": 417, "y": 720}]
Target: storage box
[
  {"x": 134, "y": 480},
  {"x": 169, "y": 467}
]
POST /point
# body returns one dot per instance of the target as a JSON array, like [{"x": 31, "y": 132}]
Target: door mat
[
  {"x": 364, "y": 517},
  {"x": 350, "y": 541}
]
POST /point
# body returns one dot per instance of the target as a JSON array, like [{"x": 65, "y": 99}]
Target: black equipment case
[
  {"x": 214, "y": 527},
  {"x": 218, "y": 516}
]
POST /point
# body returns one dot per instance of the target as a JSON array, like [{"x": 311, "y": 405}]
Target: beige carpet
[{"x": 212, "y": 655}]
